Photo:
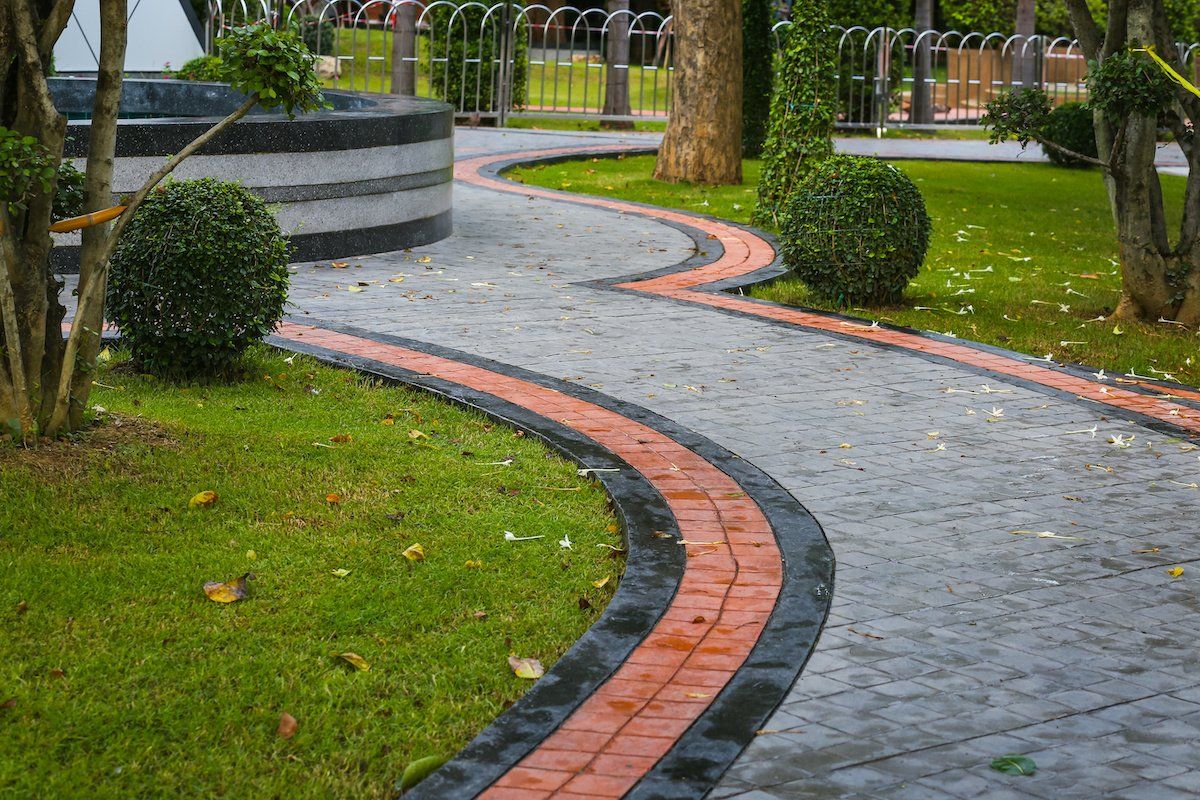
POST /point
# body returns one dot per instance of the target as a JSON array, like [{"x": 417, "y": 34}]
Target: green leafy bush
[
  {"x": 758, "y": 74},
  {"x": 68, "y": 192},
  {"x": 870, "y": 13},
  {"x": 803, "y": 109},
  {"x": 273, "y": 64},
  {"x": 1070, "y": 126},
  {"x": 855, "y": 231},
  {"x": 1129, "y": 84},
  {"x": 25, "y": 166},
  {"x": 198, "y": 276},
  {"x": 318, "y": 34},
  {"x": 201, "y": 68}
]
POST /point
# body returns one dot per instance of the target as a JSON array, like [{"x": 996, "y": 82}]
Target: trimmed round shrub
[
  {"x": 201, "y": 68},
  {"x": 1070, "y": 126},
  {"x": 198, "y": 276},
  {"x": 855, "y": 231}
]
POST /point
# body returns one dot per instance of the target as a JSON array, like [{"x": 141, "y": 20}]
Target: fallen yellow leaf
[
  {"x": 355, "y": 660},
  {"x": 229, "y": 591},
  {"x": 528, "y": 668},
  {"x": 333, "y": 498},
  {"x": 340, "y": 573},
  {"x": 1175, "y": 572},
  {"x": 600, "y": 584},
  {"x": 416, "y": 434},
  {"x": 341, "y": 438},
  {"x": 474, "y": 565},
  {"x": 203, "y": 500},
  {"x": 696, "y": 694},
  {"x": 415, "y": 553}
]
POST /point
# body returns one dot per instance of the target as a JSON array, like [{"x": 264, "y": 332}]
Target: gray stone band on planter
[{"x": 372, "y": 174}]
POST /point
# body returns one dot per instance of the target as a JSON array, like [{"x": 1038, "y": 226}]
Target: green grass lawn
[
  {"x": 1022, "y": 257},
  {"x": 120, "y": 679}
]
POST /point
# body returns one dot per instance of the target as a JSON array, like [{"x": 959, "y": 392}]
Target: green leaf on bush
[{"x": 1014, "y": 765}]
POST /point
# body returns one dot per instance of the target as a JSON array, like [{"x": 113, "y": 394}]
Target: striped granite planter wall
[{"x": 372, "y": 174}]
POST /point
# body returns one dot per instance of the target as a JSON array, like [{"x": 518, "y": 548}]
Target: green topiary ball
[
  {"x": 855, "y": 231},
  {"x": 198, "y": 276},
  {"x": 201, "y": 68},
  {"x": 1070, "y": 125}
]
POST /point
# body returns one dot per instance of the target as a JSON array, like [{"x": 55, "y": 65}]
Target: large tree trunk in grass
[
  {"x": 1160, "y": 278},
  {"x": 703, "y": 143}
]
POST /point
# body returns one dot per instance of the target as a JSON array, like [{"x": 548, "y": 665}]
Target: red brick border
[
  {"x": 744, "y": 253},
  {"x": 732, "y": 578}
]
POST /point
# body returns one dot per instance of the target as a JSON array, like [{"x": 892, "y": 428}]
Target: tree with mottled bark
[
  {"x": 1132, "y": 99},
  {"x": 703, "y": 143},
  {"x": 45, "y": 378}
]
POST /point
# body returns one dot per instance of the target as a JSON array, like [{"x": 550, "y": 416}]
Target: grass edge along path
[
  {"x": 1022, "y": 257},
  {"x": 121, "y": 679}
]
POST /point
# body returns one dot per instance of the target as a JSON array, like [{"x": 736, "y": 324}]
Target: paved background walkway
[{"x": 953, "y": 639}]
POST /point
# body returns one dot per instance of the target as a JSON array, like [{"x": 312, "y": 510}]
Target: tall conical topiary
[
  {"x": 803, "y": 109},
  {"x": 758, "y": 73}
]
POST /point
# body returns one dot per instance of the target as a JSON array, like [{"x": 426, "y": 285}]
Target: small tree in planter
[
  {"x": 44, "y": 379},
  {"x": 1131, "y": 98},
  {"x": 803, "y": 110}
]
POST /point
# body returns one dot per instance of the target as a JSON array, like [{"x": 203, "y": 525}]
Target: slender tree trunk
[
  {"x": 404, "y": 49},
  {"x": 1025, "y": 51},
  {"x": 922, "y": 91},
  {"x": 616, "y": 71},
  {"x": 97, "y": 196},
  {"x": 703, "y": 143}
]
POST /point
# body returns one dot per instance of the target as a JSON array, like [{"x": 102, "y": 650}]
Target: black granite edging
[
  {"x": 739, "y": 283},
  {"x": 344, "y": 243},
  {"x": 360, "y": 121},
  {"x": 709, "y": 747}
]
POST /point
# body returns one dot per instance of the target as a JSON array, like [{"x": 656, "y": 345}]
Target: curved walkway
[{"x": 1001, "y": 580}]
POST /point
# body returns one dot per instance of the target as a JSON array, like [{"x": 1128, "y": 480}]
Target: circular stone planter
[{"x": 370, "y": 175}]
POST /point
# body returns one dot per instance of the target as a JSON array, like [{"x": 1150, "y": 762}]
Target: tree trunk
[
  {"x": 616, "y": 70},
  {"x": 93, "y": 257},
  {"x": 1025, "y": 51},
  {"x": 922, "y": 91},
  {"x": 404, "y": 49},
  {"x": 703, "y": 143}
]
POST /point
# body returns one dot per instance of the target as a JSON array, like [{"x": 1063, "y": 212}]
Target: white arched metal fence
[{"x": 495, "y": 60}]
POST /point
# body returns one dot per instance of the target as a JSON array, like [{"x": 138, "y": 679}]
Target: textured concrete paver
[{"x": 952, "y": 639}]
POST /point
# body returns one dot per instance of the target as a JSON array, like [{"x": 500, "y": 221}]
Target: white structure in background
[{"x": 161, "y": 32}]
